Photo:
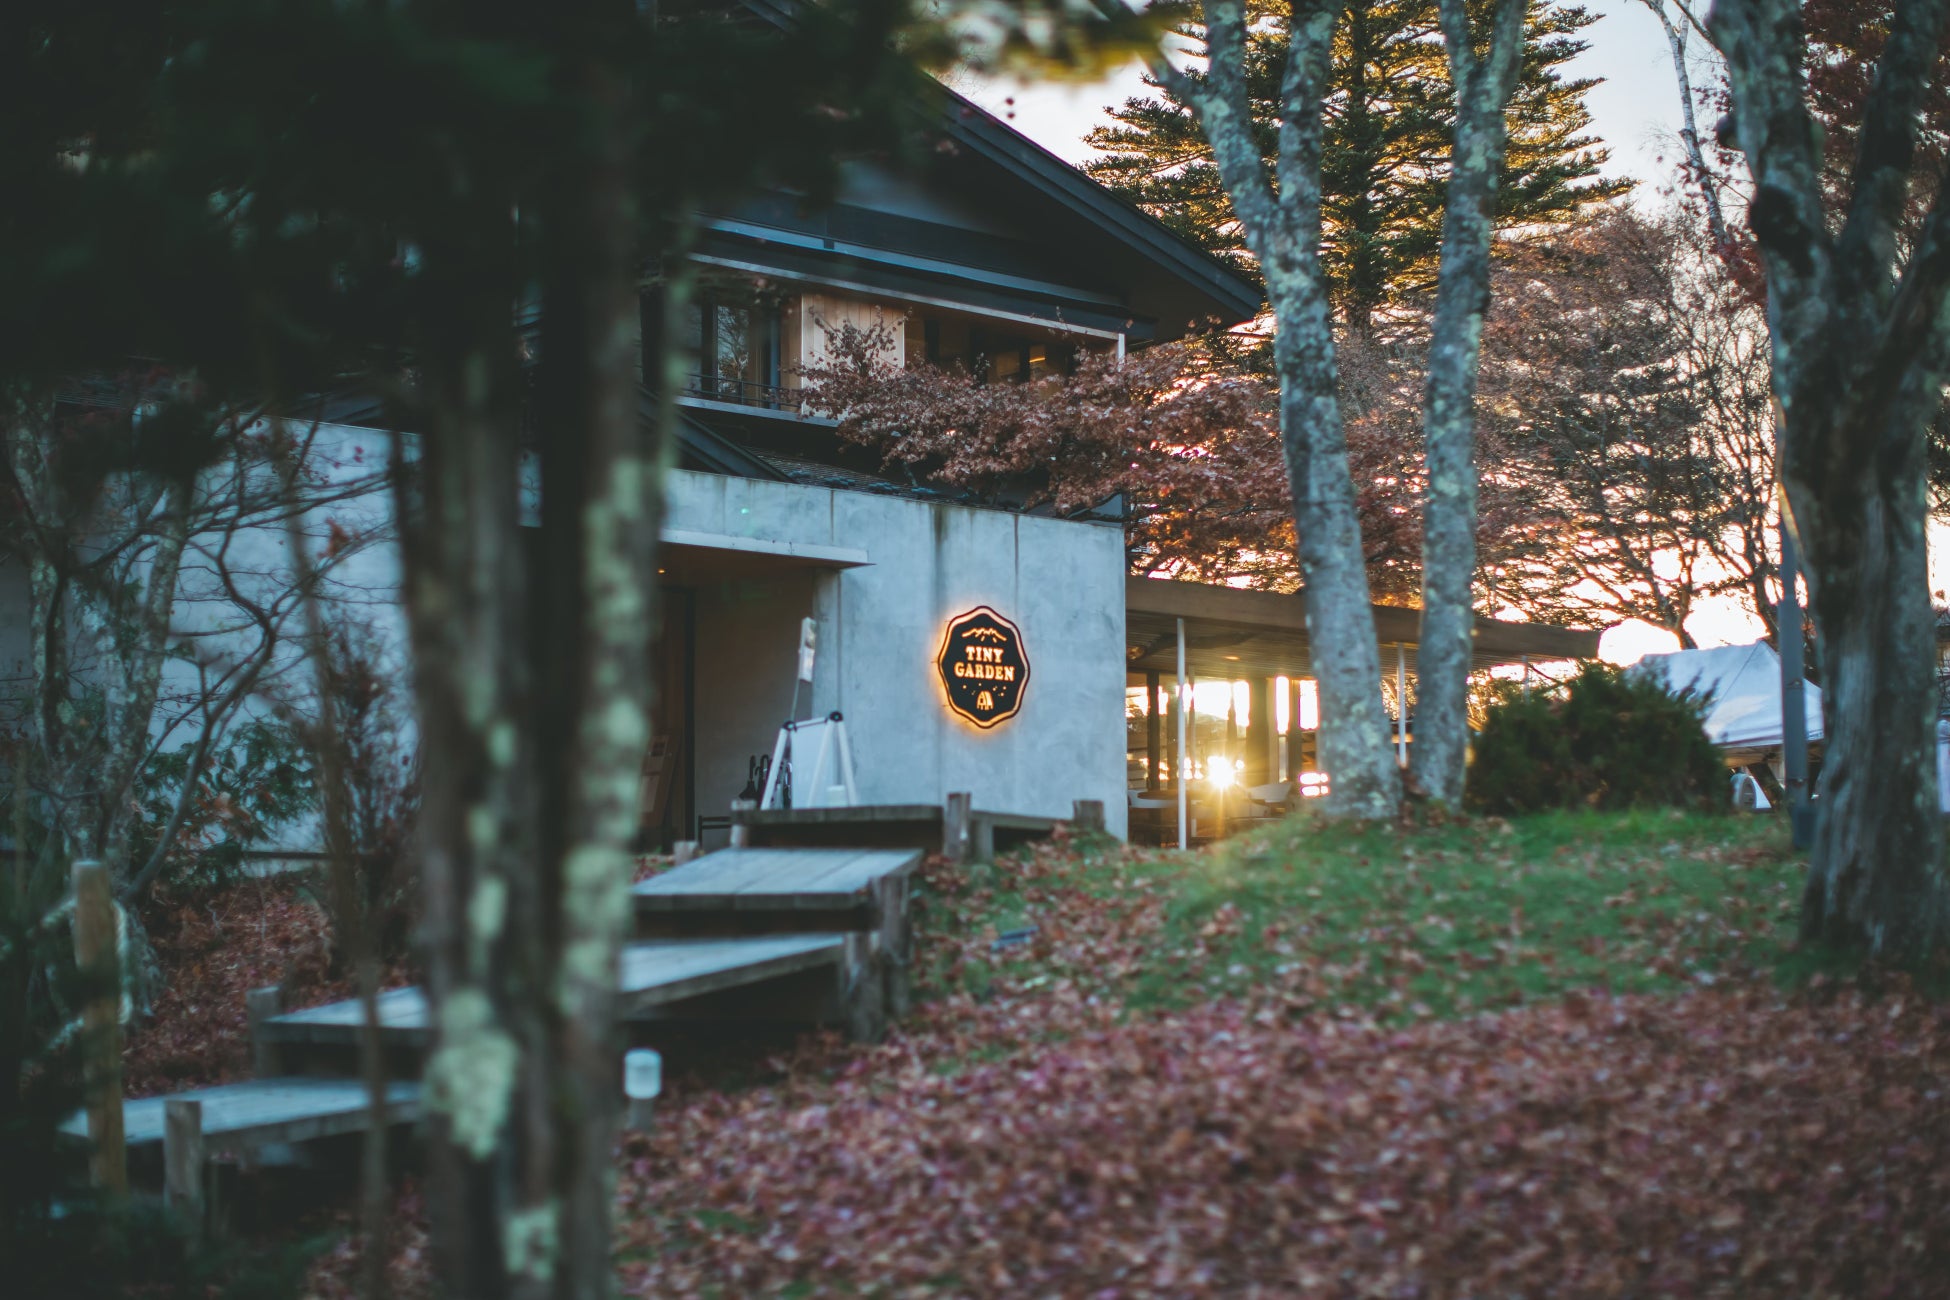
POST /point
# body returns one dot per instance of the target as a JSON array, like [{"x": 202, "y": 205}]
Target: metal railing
[{"x": 741, "y": 392}]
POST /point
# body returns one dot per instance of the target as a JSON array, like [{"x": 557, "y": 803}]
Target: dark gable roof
[
  {"x": 1164, "y": 277},
  {"x": 1233, "y": 297}
]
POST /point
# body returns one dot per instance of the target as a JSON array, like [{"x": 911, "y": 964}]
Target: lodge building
[
  {"x": 968, "y": 645},
  {"x": 999, "y": 256}
]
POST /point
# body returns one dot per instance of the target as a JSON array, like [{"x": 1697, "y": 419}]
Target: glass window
[{"x": 735, "y": 339}]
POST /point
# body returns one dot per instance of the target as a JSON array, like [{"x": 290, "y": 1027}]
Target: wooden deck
[
  {"x": 654, "y": 973},
  {"x": 897, "y": 825},
  {"x": 239, "y": 1117},
  {"x": 774, "y": 891},
  {"x": 824, "y": 941}
]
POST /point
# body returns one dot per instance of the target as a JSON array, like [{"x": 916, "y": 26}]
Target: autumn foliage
[{"x": 1180, "y": 440}]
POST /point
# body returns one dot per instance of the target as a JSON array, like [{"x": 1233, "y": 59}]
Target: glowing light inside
[
  {"x": 1282, "y": 705},
  {"x": 1309, "y": 704},
  {"x": 1242, "y": 703}
]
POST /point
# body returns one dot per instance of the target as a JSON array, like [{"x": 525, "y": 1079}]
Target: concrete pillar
[
  {"x": 1153, "y": 734},
  {"x": 1262, "y": 737}
]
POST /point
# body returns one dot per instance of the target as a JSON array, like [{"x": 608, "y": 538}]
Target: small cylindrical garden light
[{"x": 643, "y": 1079}]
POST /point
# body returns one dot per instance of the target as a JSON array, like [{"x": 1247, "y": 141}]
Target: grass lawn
[{"x": 1408, "y": 923}]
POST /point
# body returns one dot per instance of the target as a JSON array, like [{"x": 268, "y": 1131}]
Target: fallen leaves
[
  {"x": 1699, "y": 1145},
  {"x": 211, "y": 947},
  {"x": 1298, "y": 1119}
]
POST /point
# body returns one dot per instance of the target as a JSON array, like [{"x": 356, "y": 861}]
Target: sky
[{"x": 1635, "y": 111}]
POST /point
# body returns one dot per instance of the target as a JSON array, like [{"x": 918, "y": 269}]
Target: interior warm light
[
  {"x": 1223, "y": 775},
  {"x": 1242, "y": 703},
  {"x": 1309, "y": 704},
  {"x": 1282, "y": 705}
]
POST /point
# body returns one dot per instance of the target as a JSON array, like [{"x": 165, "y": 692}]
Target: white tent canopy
[{"x": 1745, "y": 684}]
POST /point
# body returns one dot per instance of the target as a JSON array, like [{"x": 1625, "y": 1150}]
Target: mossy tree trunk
[
  {"x": 532, "y": 654},
  {"x": 1861, "y": 350},
  {"x": 1283, "y": 232},
  {"x": 602, "y": 504},
  {"x": 1443, "y": 655}
]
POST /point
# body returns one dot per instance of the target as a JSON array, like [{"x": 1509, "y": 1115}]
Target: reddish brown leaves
[
  {"x": 1720, "y": 1143},
  {"x": 211, "y": 948}
]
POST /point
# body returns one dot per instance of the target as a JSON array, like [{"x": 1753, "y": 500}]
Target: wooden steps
[
  {"x": 746, "y": 935},
  {"x": 918, "y": 825},
  {"x": 776, "y": 891},
  {"x": 861, "y": 894},
  {"x": 654, "y": 974},
  {"x": 239, "y": 1117}
]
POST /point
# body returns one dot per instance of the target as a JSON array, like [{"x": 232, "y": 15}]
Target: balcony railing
[{"x": 742, "y": 392}]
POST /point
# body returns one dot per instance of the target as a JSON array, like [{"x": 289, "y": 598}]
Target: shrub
[{"x": 1602, "y": 739}]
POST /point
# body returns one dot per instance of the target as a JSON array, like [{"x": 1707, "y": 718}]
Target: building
[
  {"x": 967, "y": 646},
  {"x": 997, "y": 255}
]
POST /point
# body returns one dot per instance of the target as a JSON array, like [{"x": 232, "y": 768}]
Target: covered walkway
[{"x": 1259, "y": 753}]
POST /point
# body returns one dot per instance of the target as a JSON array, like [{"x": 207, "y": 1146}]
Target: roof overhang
[{"x": 1234, "y": 633}]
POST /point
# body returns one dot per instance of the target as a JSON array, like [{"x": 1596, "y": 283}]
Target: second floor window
[{"x": 735, "y": 339}]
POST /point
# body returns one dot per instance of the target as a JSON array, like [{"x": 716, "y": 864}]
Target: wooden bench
[{"x": 860, "y": 894}]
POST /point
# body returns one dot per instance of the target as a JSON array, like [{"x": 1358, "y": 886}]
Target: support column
[
  {"x": 1794, "y": 700},
  {"x": 1179, "y": 774},
  {"x": 1262, "y": 737},
  {"x": 1401, "y": 704},
  {"x": 1153, "y": 735}
]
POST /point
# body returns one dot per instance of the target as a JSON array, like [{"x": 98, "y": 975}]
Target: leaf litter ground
[{"x": 1572, "y": 1055}]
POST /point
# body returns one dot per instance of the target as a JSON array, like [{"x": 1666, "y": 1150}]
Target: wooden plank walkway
[
  {"x": 901, "y": 825},
  {"x": 773, "y": 891},
  {"x": 240, "y": 1116},
  {"x": 654, "y": 973}
]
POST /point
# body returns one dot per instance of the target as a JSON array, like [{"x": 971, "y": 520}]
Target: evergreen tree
[{"x": 1385, "y": 157}]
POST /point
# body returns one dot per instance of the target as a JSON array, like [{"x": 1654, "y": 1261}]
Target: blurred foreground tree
[{"x": 433, "y": 202}]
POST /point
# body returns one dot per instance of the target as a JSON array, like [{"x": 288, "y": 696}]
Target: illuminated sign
[{"x": 983, "y": 666}]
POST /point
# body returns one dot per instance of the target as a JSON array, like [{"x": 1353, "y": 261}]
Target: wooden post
[
  {"x": 101, "y": 1025},
  {"x": 955, "y": 830},
  {"x": 261, "y": 1005},
  {"x": 183, "y": 1164},
  {"x": 684, "y": 851},
  {"x": 741, "y": 830},
  {"x": 1087, "y": 816},
  {"x": 981, "y": 839}
]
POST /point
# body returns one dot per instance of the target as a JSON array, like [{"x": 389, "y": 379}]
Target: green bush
[{"x": 1602, "y": 739}]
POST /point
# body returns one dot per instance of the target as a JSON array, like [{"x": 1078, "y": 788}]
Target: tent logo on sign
[{"x": 983, "y": 666}]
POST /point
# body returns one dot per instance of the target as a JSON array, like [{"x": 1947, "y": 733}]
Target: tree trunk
[
  {"x": 1364, "y": 778},
  {"x": 602, "y": 505},
  {"x": 1445, "y": 651},
  {"x": 465, "y": 593},
  {"x": 1875, "y": 878},
  {"x": 1283, "y": 232},
  {"x": 1861, "y": 349}
]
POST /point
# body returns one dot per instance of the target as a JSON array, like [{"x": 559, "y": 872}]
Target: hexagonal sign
[{"x": 983, "y": 666}]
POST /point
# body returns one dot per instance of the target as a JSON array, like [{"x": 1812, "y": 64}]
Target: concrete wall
[
  {"x": 881, "y": 626},
  {"x": 747, "y": 643}
]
